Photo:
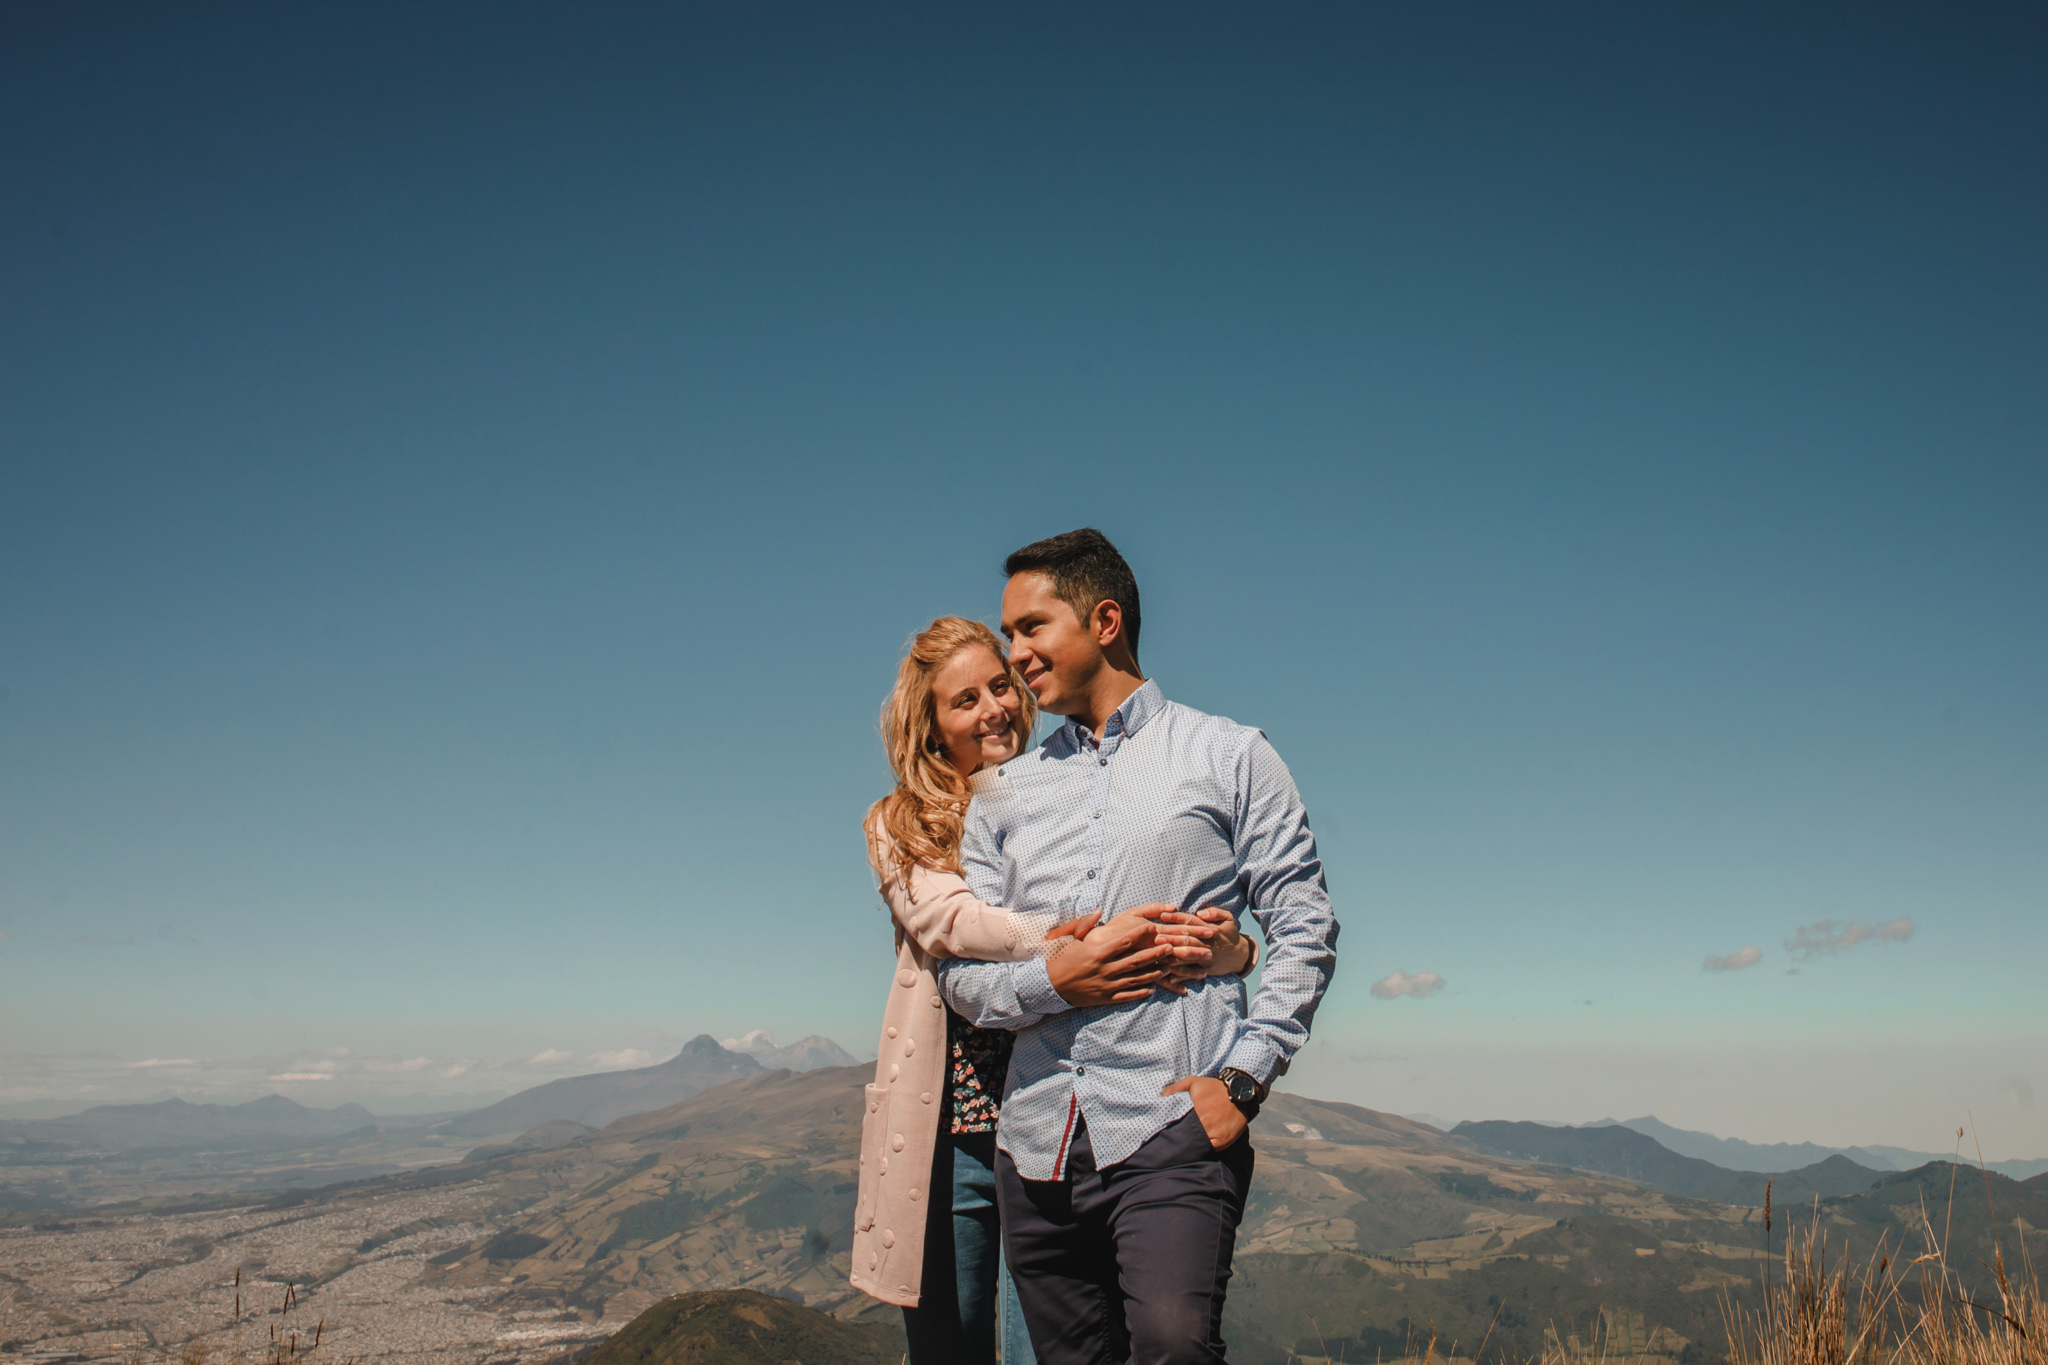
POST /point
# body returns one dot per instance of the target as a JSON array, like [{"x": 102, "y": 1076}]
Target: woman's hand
[
  {"x": 1110, "y": 964},
  {"x": 1224, "y": 950}
]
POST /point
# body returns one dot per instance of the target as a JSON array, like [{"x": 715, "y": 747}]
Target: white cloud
[
  {"x": 1746, "y": 956},
  {"x": 1394, "y": 985},
  {"x": 451, "y": 1072},
  {"x": 624, "y": 1057},
  {"x": 553, "y": 1056},
  {"x": 1826, "y": 937},
  {"x": 161, "y": 1061},
  {"x": 303, "y": 1076},
  {"x": 407, "y": 1064},
  {"x": 748, "y": 1041}
]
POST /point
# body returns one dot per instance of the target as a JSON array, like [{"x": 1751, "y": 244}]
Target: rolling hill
[
  {"x": 1362, "y": 1228},
  {"x": 1622, "y": 1151},
  {"x": 596, "y": 1100},
  {"x": 173, "y": 1124}
]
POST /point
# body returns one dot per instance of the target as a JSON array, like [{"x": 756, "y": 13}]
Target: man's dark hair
[{"x": 1085, "y": 569}]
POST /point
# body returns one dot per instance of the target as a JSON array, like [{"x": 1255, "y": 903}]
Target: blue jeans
[{"x": 968, "y": 1303}]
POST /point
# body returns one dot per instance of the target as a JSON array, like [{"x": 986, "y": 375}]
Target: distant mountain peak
[{"x": 702, "y": 1046}]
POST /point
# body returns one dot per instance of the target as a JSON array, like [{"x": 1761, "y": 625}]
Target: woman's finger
[{"x": 1075, "y": 928}]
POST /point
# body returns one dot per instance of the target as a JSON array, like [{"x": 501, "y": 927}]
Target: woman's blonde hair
[{"x": 923, "y": 818}]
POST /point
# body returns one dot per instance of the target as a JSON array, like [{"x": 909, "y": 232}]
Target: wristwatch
[{"x": 1246, "y": 1091}]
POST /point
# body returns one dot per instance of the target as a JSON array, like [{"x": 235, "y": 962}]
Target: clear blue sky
[{"x": 466, "y": 474}]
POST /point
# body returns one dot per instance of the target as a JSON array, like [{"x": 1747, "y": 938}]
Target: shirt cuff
[
  {"x": 1255, "y": 1056},
  {"x": 1034, "y": 988}
]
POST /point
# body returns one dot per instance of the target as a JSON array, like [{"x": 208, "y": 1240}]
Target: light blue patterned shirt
[{"x": 1173, "y": 806}]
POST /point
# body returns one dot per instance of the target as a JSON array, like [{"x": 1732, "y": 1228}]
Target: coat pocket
[{"x": 874, "y": 1138}]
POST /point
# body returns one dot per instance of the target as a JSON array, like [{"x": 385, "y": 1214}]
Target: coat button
[
  {"x": 892, "y": 1032},
  {"x": 893, "y": 1068},
  {"x": 909, "y": 1046},
  {"x": 937, "y": 1003},
  {"x": 897, "y": 1144},
  {"x": 926, "y": 1097},
  {"x": 906, "y": 977},
  {"x": 888, "y": 1238},
  {"x": 913, "y": 1196},
  {"x": 885, "y": 1165},
  {"x": 874, "y": 1262},
  {"x": 874, "y": 1106}
]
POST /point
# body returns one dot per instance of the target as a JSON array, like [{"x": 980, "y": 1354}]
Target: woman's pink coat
[{"x": 936, "y": 917}]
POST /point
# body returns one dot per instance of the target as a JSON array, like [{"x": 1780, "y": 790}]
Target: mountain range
[
  {"x": 1791, "y": 1156},
  {"x": 1362, "y": 1224},
  {"x": 1362, "y": 1227},
  {"x": 595, "y": 1100},
  {"x": 172, "y": 1124},
  {"x": 1615, "y": 1149}
]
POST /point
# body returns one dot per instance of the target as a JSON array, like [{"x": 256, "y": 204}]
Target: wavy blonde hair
[{"x": 922, "y": 820}]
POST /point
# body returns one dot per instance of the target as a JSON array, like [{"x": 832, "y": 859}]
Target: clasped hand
[{"x": 1151, "y": 947}]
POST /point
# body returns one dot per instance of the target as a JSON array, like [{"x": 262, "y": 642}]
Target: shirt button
[
  {"x": 1102, "y": 762},
  {"x": 1091, "y": 874},
  {"x": 1097, "y": 815}
]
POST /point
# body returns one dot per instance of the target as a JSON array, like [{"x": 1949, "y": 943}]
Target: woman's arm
[{"x": 941, "y": 915}]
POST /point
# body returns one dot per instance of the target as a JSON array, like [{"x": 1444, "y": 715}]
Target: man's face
[{"x": 1056, "y": 652}]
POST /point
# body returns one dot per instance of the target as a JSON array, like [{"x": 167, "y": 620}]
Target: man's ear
[{"x": 1107, "y": 622}]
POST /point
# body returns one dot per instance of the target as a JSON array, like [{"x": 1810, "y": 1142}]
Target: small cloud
[
  {"x": 450, "y": 1073},
  {"x": 624, "y": 1057},
  {"x": 1746, "y": 956},
  {"x": 1826, "y": 937},
  {"x": 748, "y": 1041},
  {"x": 408, "y": 1064},
  {"x": 553, "y": 1056},
  {"x": 161, "y": 1061},
  {"x": 1394, "y": 985},
  {"x": 303, "y": 1076},
  {"x": 323, "y": 1068}
]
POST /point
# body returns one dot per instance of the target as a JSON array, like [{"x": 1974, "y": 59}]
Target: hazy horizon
[{"x": 468, "y": 475}]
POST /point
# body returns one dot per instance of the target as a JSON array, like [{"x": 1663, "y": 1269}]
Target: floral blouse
[{"x": 981, "y": 1059}]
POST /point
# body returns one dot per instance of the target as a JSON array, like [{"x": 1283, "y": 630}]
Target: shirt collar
[{"x": 1129, "y": 718}]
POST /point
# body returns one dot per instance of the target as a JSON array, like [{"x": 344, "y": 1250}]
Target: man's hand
[
  {"x": 1109, "y": 964},
  {"x": 1208, "y": 942},
  {"x": 1223, "y": 1121}
]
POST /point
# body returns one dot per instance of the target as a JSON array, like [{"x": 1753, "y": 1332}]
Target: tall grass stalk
[{"x": 1884, "y": 1313}]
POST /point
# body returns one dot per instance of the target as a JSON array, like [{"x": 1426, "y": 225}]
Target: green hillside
[{"x": 741, "y": 1327}]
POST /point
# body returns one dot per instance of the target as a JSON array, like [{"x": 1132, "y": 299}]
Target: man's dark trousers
[{"x": 1128, "y": 1263}]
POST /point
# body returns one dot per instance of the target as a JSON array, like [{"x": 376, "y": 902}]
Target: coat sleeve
[{"x": 940, "y": 914}]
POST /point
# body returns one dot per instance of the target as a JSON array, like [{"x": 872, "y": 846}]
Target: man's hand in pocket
[{"x": 1223, "y": 1121}]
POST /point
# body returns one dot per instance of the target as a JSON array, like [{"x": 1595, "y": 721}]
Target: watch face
[{"x": 1243, "y": 1088}]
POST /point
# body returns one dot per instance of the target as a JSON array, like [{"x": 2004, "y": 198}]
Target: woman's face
[{"x": 977, "y": 709}]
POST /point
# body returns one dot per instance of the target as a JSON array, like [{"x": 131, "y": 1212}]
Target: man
[{"x": 1123, "y": 1157}]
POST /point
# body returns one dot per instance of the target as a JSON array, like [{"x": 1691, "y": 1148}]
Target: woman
[{"x": 928, "y": 1123}]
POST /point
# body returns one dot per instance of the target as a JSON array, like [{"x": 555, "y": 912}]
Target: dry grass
[
  {"x": 288, "y": 1341},
  {"x": 1885, "y": 1313}
]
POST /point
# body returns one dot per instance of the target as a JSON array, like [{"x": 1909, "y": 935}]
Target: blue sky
[{"x": 466, "y": 475}]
